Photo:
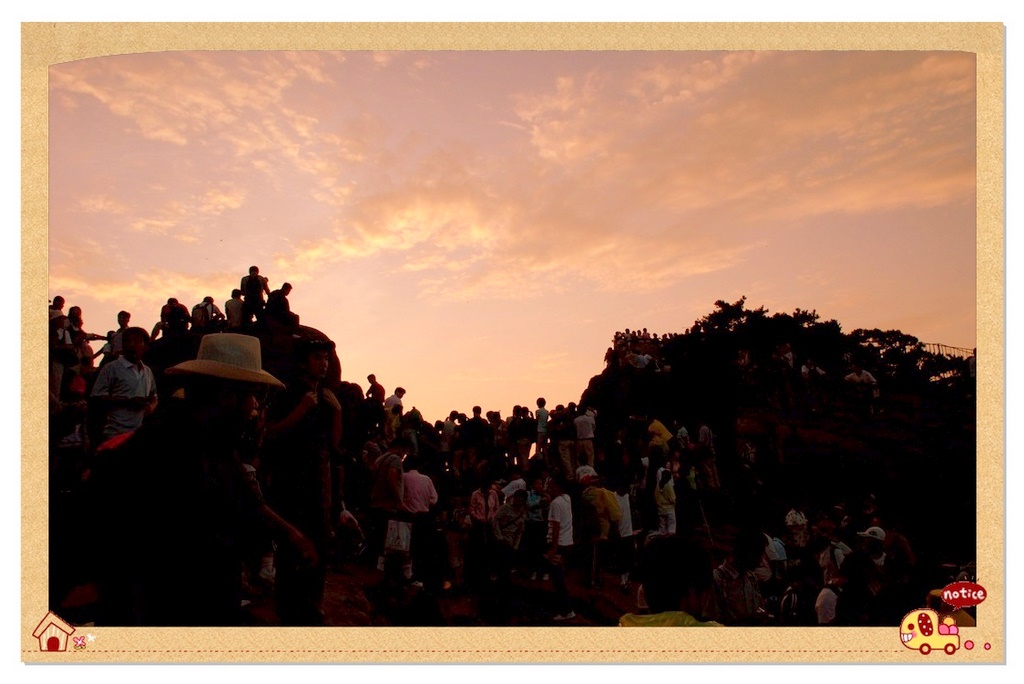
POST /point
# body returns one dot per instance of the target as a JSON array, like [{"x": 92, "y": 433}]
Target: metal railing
[{"x": 946, "y": 350}]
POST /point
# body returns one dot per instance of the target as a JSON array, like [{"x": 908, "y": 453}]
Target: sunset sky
[{"x": 475, "y": 226}]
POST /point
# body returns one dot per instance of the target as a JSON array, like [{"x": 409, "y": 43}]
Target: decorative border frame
[{"x": 51, "y": 43}]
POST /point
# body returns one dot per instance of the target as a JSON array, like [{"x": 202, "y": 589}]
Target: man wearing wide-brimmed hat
[{"x": 175, "y": 501}]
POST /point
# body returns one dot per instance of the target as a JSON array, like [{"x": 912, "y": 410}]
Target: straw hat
[{"x": 229, "y": 356}]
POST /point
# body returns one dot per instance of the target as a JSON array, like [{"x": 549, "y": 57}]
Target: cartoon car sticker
[{"x": 923, "y": 630}]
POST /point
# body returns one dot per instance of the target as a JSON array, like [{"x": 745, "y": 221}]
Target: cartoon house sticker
[{"x": 53, "y": 633}]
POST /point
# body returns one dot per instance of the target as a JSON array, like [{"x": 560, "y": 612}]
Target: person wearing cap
[
  {"x": 173, "y": 501},
  {"x": 125, "y": 389},
  {"x": 873, "y": 543},
  {"x": 798, "y": 532},
  {"x": 303, "y": 429}
]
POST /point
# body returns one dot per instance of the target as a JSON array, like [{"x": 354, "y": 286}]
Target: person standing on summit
[
  {"x": 253, "y": 287},
  {"x": 234, "y": 309}
]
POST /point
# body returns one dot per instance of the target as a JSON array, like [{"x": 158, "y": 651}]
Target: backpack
[
  {"x": 254, "y": 288},
  {"x": 200, "y": 315},
  {"x": 796, "y": 607}
]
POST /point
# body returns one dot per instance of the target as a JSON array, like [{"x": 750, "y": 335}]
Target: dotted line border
[{"x": 503, "y": 651}]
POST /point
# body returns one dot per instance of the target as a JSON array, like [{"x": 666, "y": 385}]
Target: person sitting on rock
[
  {"x": 278, "y": 309},
  {"x": 207, "y": 316},
  {"x": 174, "y": 320}
]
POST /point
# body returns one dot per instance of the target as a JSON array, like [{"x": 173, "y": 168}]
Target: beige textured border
[{"x": 46, "y": 44}]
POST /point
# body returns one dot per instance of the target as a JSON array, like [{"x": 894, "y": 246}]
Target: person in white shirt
[
  {"x": 394, "y": 400},
  {"x": 418, "y": 498},
  {"x": 627, "y": 546},
  {"x": 865, "y": 388},
  {"x": 57, "y": 307},
  {"x": 515, "y": 484},
  {"x": 126, "y": 387},
  {"x": 418, "y": 492},
  {"x": 860, "y": 376},
  {"x": 560, "y": 541},
  {"x": 825, "y": 604},
  {"x": 117, "y": 343},
  {"x": 447, "y": 441},
  {"x": 235, "y": 310}
]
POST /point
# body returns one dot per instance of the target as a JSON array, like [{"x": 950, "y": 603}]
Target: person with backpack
[
  {"x": 797, "y": 604},
  {"x": 738, "y": 581},
  {"x": 207, "y": 316}
]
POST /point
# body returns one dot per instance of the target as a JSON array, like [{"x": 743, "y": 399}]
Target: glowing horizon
[{"x": 475, "y": 226}]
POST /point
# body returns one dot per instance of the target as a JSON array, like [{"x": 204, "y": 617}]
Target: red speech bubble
[{"x": 963, "y": 594}]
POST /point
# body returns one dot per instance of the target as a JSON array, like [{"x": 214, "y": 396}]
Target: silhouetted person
[
  {"x": 303, "y": 429},
  {"x": 174, "y": 320},
  {"x": 253, "y": 287},
  {"x": 234, "y": 309},
  {"x": 278, "y": 309},
  {"x": 207, "y": 316}
]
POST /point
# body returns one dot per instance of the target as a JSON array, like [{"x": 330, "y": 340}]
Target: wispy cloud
[{"x": 102, "y": 205}]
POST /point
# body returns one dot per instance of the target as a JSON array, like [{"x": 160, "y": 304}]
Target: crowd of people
[
  {"x": 230, "y": 481},
  {"x": 637, "y": 348}
]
